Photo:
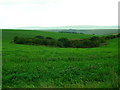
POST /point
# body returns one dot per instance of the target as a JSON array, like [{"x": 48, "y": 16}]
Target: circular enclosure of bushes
[{"x": 94, "y": 41}]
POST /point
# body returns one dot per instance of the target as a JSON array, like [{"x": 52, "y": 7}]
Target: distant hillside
[
  {"x": 93, "y": 31},
  {"x": 70, "y": 27}
]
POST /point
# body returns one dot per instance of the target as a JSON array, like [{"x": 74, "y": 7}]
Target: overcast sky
[{"x": 45, "y": 13}]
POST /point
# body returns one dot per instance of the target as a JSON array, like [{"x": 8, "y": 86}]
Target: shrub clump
[{"x": 94, "y": 41}]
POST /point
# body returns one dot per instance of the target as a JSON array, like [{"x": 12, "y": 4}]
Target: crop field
[{"x": 31, "y": 66}]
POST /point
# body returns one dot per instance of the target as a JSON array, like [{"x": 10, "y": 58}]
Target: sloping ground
[
  {"x": 26, "y": 66},
  {"x": 89, "y": 31},
  {"x": 9, "y": 34}
]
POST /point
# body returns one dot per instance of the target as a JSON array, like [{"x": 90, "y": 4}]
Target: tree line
[{"x": 94, "y": 41}]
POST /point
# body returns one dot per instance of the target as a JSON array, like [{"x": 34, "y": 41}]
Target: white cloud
[{"x": 22, "y": 13}]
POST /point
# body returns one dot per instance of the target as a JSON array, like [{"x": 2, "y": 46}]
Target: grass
[{"x": 27, "y": 66}]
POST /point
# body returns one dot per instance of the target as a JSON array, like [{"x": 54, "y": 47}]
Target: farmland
[{"x": 30, "y": 66}]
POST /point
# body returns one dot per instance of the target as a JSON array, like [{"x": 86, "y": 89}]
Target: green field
[{"x": 30, "y": 66}]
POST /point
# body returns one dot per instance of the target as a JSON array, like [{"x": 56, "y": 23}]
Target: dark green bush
[
  {"x": 111, "y": 36},
  {"x": 64, "y": 42}
]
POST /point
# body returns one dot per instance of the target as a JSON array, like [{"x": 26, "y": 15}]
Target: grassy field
[{"x": 29, "y": 66}]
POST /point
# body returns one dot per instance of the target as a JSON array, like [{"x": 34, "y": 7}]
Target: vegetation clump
[{"x": 94, "y": 41}]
